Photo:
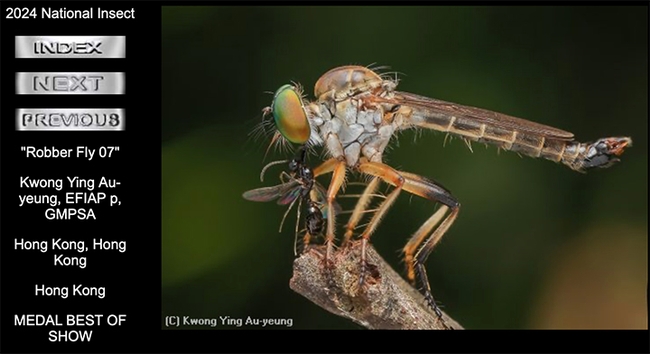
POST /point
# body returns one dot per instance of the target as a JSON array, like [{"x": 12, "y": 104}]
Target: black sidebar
[{"x": 81, "y": 176}]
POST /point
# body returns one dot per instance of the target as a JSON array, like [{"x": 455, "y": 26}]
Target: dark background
[{"x": 536, "y": 245}]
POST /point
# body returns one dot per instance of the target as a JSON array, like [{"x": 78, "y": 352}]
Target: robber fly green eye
[{"x": 290, "y": 116}]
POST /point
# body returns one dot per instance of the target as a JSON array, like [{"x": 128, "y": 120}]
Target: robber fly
[{"x": 357, "y": 111}]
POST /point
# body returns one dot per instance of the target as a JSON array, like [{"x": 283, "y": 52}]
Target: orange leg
[
  {"x": 427, "y": 189},
  {"x": 326, "y": 167},
  {"x": 359, "y": 209},
  {"x": 416, "y": 240},
  {"x": 338, "y": 169},
  {"x": 421, "y": 244},
  {"x": 389, "y": 175}
]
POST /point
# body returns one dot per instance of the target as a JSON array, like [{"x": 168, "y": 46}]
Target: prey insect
[
  {"x": 301, "y": 187},
  {"x": 355, "y": 114}
]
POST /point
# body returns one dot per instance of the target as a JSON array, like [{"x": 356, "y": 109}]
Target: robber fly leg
[
  {"x": 417, "y": 239},
  {"x": 338, "y": 169},
  {"x": 388, "y": 175},
  {"x": 359, "y": 209},
  {"x": 421, "y": 244}
]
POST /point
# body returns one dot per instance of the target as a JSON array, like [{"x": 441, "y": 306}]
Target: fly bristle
[
  {"x": 400, "y": 252},
  {"x": 260, "y": 130},
  {"x": 361, "y": 226},
  {"x": 376, "y": 68},
  {"x": 417, "y": 134},
  {"x": 366, "y": 179},
  {"x": 345, "y": 182},
  {"x": 311, "y": 149},
  {"x": 444, "y": 142},
  {"x": 395, "y": 143},
  {"x": 469, "y": 144},
  {"x": 280, "y": 144},
  {"x": 298, "y": 87},
  {"x": 391, "y": 76}
]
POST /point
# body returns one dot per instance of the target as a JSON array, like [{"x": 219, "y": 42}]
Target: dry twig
[{"x": 386, "y": 301}]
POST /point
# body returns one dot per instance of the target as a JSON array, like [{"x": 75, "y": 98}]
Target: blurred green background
[{"x": 536, "y": 245}]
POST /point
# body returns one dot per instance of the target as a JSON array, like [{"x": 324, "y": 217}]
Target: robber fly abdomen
[{"x": 510, "y": 133}]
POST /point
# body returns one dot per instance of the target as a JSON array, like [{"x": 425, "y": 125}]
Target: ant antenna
[{"x": 269, "y": 165}]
